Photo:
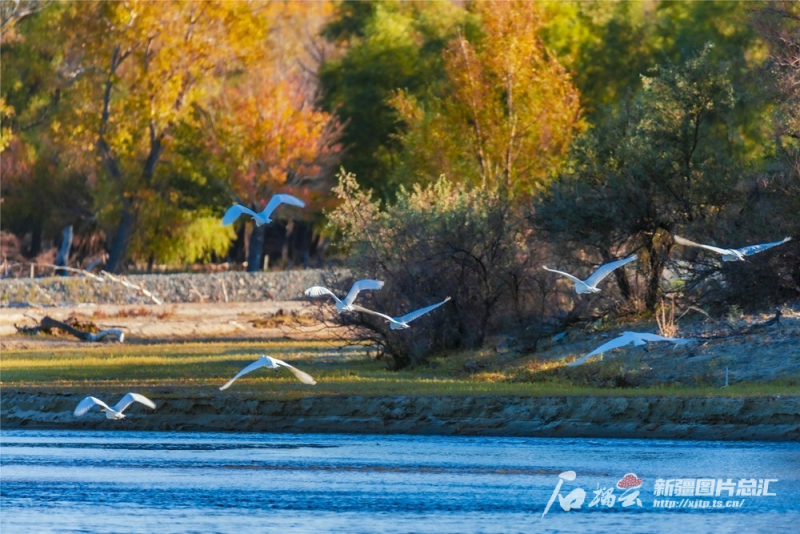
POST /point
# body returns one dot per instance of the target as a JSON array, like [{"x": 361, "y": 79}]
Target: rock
[{"x": 170, "y": 288}]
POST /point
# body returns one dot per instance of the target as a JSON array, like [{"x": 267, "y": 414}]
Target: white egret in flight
[
  {"x": 271, "y": 363},
  {"x": 347, "y": 303},
  {"x": 116, "y": 411},
  {"x": 590, "y": 284},
  {"x": 638, "y": 339},
  {"x": 236, "y": 210},
  {"x": 732, "y": 254},
  {"x": 397, "y": 323}
]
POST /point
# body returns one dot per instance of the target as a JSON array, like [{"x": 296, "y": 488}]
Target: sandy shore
[{"x": 754, "y": 418}]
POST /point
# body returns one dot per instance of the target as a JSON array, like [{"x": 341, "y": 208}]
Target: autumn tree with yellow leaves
[
  {"x": 146, "y": 70},
  {"x": 509, "y": 112}
]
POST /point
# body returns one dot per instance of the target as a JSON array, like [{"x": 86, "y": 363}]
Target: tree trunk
[
  {"x": 238, "y": 250},
  {"x": 122, "y": 238},
  {"x": 256, "y": 251},
  {"x": 624, "y": 285},
  {"x": 63, "y": 253},
  {"x": 287, "y": 244},
  {"x": 36, "y": 240},
  {"x": 654, "y": 282}
]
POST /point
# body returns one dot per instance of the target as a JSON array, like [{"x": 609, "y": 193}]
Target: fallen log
[{"x": 48, "y": 323}]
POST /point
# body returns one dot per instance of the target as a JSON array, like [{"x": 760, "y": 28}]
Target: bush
[{"x": 438, "y": 241}]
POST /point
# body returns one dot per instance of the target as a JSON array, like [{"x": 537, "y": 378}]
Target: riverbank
[
  {"x": 742, "y": 387},
  {"x": 699, "y": 418}
]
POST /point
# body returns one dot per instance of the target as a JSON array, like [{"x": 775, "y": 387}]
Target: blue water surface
[{"x": 158, "y": 482}]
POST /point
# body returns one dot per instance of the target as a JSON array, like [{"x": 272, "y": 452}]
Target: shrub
[{"x": 438, "y": 241}]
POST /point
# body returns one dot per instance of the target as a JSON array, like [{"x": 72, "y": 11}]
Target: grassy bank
[{"x": 176, "y": 370}]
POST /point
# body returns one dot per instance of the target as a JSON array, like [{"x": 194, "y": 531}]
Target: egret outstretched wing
[
  {"x": 234, "y": 212},
  {"x": 637, "y": 338},
  {"x": 615, "y": 343},
  {"x": 606, "y": 269},
  {"x": 356, "y": 307},
  {"x": 573, "y": 278},
  {"x": 130, "y": 398},
  {"x": 754, "y": 249},
  {"x": 655, "y": 337},
  {"x": 86, "y": 404},
  {"x": 319, "y": 291},
  {"x": 685, "y": 242},
  {"x": 277, "y": 200},
  {"x": 261, "y": 362},
  {"x": 361, "y": 285},
  {"x": 303, "y": 377},
  {"x": 407, "y": 318}
]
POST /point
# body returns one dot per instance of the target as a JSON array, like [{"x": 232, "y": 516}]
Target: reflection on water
[{"x": 212, "y": 482}]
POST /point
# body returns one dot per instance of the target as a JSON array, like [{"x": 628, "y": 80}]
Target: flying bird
[
  {"x": 397, "y": 323},
  {"x": 638, "y": 339},
  {"x": 116, "y": 412},
  {"x": 347, "y": 303},
  {"x": 590, "y": 284},
  {"x": 272, "y": 363},
  {"x": 236, "y": 210},
  {"x": 732, "y": 254}
]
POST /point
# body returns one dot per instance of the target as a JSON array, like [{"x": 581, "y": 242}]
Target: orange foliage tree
[
  {"x": 272, "y": 139},
  {"x": 145, "y": 69},
  {"x": 509, "y": 115}
]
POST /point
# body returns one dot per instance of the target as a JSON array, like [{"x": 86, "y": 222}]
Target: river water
[{"x": 154, "y": 482}]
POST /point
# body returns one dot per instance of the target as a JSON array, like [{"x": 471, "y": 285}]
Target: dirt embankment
[{"x": 717, "y": 418}]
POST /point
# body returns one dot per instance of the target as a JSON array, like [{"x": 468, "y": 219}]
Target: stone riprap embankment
[
  {"x": 169, "y": 288},
  {"x": 770, "y": 418}
]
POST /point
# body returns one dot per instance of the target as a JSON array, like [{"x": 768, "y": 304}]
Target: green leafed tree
[
  {"x": 663, "y": 161},
  {"x": 609, "y": 45},
  {"x": 388, "y": 46},
  {"x": 44, "y": 187}
]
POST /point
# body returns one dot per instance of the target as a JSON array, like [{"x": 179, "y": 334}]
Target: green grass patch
[{"x": 200, "y": 368}]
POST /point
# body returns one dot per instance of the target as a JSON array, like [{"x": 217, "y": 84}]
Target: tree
[
  {"x": 272, "y": 139},
  {"x": 772, "y": 190},
  {"x": 36, "y": 171},
  {"x": 663, "y": 161},
  {"x": 141, "y": 69},
  {"x": 388, "y": 46},
  {"x": 779, "y": 24},
  {"x": 13, "y": 11},
  {"x": 509, "y": 114},
  {"x": 607, "y": 46}
]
